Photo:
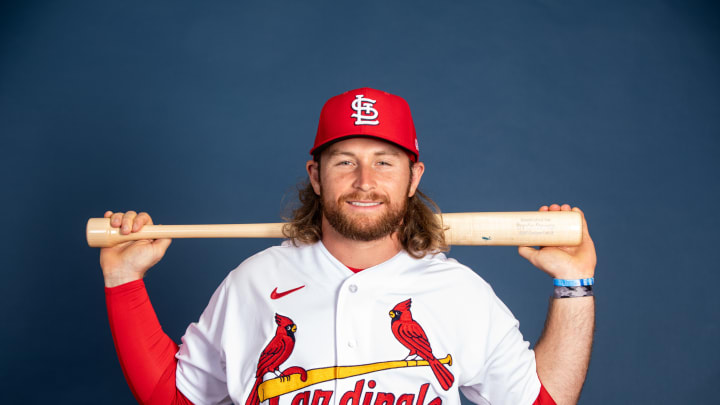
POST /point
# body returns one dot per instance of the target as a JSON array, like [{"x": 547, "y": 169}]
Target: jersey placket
[{"x": 349, "y": 307}]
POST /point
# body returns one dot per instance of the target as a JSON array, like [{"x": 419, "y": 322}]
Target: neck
[{"x": 359, "y": 254}]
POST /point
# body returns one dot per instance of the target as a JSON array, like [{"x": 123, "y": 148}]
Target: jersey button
[
  {"x": 351, "y": 344},
  {"x": 353, "y": 288}
]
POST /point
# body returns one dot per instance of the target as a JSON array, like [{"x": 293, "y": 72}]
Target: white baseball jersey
[{"x": 347, "y": 341}]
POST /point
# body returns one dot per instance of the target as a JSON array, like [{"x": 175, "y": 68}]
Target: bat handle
[{"x": 100, "y": 233}]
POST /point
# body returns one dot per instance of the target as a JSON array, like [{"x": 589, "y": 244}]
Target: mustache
[{"x": 358, "y": 196}]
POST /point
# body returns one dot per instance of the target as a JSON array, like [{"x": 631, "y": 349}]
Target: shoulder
[
  {"x": 459, "y": 282},
  {"x": 255, "y": 278},
  {"x": 273, "y": 262},
  {"x": 284, "y": 251},
  {"x": 439, "y": 265}
]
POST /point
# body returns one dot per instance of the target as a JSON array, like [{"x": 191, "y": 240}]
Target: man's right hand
[{"x": 129, "y": 261}]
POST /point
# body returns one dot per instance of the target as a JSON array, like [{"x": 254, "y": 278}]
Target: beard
[{"x": 362, "y": 227}]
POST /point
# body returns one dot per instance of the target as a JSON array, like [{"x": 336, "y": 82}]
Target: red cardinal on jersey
[
  {"x": 275, "y": 354},
  {"x": 408, "y": 332}
]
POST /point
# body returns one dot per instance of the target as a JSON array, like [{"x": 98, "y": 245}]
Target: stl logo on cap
[{"x": 362, "y": 105}]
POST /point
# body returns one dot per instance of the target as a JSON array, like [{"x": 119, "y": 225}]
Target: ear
[
  {"x": 415, "y": 175},
  {"x": 313, "y": 170}
]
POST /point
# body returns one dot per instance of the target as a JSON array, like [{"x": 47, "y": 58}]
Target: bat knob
[{"x": 99, "y": 233}]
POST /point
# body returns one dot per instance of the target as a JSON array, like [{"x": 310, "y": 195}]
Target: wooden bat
[
  {"x": 531, "y": 228},
  {"x": 283, "y": 385}
]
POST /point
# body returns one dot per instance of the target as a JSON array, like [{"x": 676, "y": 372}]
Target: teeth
[{"x": 362, "y": 204}]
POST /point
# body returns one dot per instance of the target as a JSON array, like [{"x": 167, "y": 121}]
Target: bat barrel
[{"x": 524, "y": 228}]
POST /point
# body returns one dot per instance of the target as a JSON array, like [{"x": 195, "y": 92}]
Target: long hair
[{"x": 420, "y": 233}]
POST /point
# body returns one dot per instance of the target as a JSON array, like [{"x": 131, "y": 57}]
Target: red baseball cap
[{"x": 367, "y": 112}]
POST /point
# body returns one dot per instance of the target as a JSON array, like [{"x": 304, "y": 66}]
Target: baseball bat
[{"x": 530, "y": 228}]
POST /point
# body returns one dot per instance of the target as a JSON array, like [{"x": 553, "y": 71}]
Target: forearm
[
  {"x": 146, "y": 353},
  {"x": 563, "y": 351}
]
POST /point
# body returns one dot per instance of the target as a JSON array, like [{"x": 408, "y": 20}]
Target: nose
[{"x": 364, "y": 178}]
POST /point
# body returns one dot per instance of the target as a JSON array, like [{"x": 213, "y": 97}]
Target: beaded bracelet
[{"x": 573, "y": 292}]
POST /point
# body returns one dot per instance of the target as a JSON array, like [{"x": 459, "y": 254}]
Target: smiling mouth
[{"x": 364, "y": 204}]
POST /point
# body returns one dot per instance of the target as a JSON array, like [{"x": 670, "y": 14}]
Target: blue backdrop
[{"x": 203, "y": 112}]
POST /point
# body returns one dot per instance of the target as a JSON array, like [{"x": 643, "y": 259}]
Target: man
[{"x": 360, "y": 307}]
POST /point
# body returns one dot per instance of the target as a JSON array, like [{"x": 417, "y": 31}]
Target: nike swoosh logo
[{"x": 275, "y": 295}]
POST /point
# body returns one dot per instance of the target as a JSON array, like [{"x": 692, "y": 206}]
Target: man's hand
[
  {"x": 129, "y": 261},
  {"x": 564, "y": 262}
]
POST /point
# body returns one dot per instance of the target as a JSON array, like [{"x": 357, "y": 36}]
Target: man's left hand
[{"x": 564, "y": 262}]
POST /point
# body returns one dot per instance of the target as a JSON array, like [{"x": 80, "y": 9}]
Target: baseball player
[{"x": 359, "y": 306}]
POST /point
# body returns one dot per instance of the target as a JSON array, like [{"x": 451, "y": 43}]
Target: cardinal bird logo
[
  {"x": 274, "y": 354},
  {"x": 408, "y": 332}
]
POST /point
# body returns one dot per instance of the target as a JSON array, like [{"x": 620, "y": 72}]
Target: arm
[
  {"x": 563, "y": 351},
  {"x": 146, "y": 353}
]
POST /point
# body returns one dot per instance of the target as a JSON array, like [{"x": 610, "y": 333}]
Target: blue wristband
[{"x": 573, "y": 283}]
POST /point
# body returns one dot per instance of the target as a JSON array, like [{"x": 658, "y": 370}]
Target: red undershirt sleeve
[
  {"x": 544, "y": 398},
  {"x": 146, "y": 353}
]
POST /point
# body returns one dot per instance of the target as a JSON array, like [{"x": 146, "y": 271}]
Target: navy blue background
[{"x": 203, "y": 112}]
